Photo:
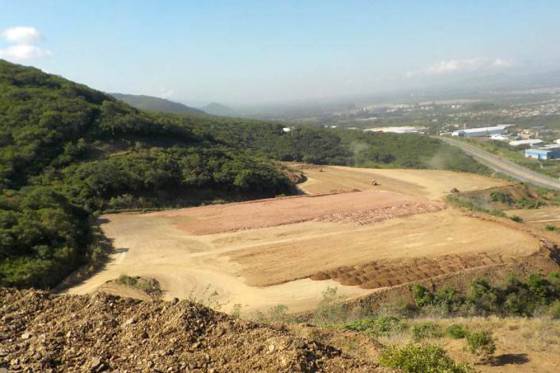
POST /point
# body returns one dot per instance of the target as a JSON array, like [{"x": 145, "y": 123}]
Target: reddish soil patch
[{"x": 358, "y": 207}]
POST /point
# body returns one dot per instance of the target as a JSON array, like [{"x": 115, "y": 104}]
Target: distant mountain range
[
  {"x": 151, "y": 103},
  {"x": 215, "y": 108}
]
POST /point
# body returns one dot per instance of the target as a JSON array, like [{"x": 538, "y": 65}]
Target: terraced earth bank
[{"x": 359, "y": 230}]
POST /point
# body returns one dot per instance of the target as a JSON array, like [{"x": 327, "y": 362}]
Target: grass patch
[
  {"x": 428, "y": 329},
  {"x": 380, "y": 326},
  {"x": 456, "y": 331}
]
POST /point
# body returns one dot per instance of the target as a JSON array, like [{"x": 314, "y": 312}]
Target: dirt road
[{"x": 505, "y": 166}]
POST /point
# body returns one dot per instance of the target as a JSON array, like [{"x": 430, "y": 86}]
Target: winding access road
[{"x": 505, "y": 166}]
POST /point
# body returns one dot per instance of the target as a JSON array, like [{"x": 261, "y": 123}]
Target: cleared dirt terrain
[
  {"x": 432, "y": 184},
  {"x": 362, "y": 238},
  {"x": 547, "y": 216}
]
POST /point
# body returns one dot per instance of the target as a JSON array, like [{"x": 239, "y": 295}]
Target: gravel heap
[{"x": 41, "y": 332}]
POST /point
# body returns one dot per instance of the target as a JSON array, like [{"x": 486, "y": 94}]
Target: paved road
[{"x": 505, "y": 166}]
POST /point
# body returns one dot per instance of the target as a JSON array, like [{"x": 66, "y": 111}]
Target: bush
[
  {"x": 426, "y": 330},
  {"x": 456, "y": 331},
  {"x": 554, "y": 310},
  {"x": 483, "y": 296},
  {"x": 417, "y": 358},
  {"x": 517, "y": 219},
  {"x": 550, "y": 227},
  {"x": 331, "y": 309},
  {"x": 422, "y": 296},
  {"x": 481, "y": 344}
]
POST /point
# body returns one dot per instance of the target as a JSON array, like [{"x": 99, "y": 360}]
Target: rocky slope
[{"x": 43, "y": 332}]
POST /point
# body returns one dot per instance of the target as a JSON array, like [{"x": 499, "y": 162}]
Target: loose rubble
[{"x": 42, "y": 332}]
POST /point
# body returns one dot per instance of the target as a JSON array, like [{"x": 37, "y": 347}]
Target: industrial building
[
  {"x": 528, "y": 142},
  {"x": 482, "y": 131},
  {"x": 400, "y": 130},
  {"x": 544, "y": 152}
]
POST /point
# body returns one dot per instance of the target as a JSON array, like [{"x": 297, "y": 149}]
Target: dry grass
[{"x": 523, "y": 344}]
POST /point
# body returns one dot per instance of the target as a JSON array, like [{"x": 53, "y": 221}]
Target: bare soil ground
[
  {"x": 289, "y": 250},
  {"x": 373, "y": 253},
  {"x": 432, "y": 184},
  {"x": 357, "y": 207}
]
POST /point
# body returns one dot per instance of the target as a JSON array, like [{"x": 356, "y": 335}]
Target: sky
[{"x": 253, "y": 51}]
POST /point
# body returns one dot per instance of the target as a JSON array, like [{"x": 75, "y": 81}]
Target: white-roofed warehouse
[{"x": 482, "y": 131}]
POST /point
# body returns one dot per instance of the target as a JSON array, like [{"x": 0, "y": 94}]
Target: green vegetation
[
  {"x": 425, "y": 330},
  {"x": 150, "y": 103},
  {"x": 514, "y": 298},
  {"x": 481, "y": 344},
  {"x": 339, "y": 147},
  {"x": 149, "y": 285},
  {"x": 416, "y": 358},
  {"x": 493, "y": 201},
  {"x": 456, "y": 331},
  {"x": 378, "y": 326}
]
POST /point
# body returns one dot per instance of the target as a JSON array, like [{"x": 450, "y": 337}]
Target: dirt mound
[{"x": 43, "y": 332}]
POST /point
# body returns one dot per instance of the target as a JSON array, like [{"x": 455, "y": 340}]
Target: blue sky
[{"x": 259, "y": 51}]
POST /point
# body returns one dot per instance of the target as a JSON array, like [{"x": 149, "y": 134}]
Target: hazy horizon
[{"x": 254, "y": 52}]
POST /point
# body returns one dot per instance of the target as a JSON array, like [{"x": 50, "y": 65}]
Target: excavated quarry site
[{"x": 359, "y": 230}]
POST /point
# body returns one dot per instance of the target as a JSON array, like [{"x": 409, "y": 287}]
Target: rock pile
[{"x": 41, "y": 332}]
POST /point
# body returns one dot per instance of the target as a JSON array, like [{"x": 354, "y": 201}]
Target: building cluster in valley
[{"x": 525, "y": 139}]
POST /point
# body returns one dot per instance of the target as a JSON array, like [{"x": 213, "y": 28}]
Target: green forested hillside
[
  {"x": 341, "y": 147},
  {"x": 150, "y": 103},
  {"x": 68, "y": 152}
]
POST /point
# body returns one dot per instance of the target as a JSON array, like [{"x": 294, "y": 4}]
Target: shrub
[
  {"x": 502, "y": 197},
  {"x": 554, "y": 310},
  {"x": 426, "y": 330},
  {"x": 456, "y": 331},
  {"x": 483, "y": 296},
  {"x": 550, "y": 227},
  {"x": 128, "y": 280},
  {"x": 331, "y": 309},
  {"x": 448, "y": 299},
  {"x": 481, "y": 343},
  {"x": 417, "y": 358},
  {"x": 422, "y": 296},
  {"x": 517, "y": 219}
]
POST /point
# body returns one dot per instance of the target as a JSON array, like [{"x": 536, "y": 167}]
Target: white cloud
[
  {"x": 454, "y": 66},
  {"x": 23, "y": 42},
  {"x": 23, "y": 52},
  {"x": 21, "y": 35}
]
